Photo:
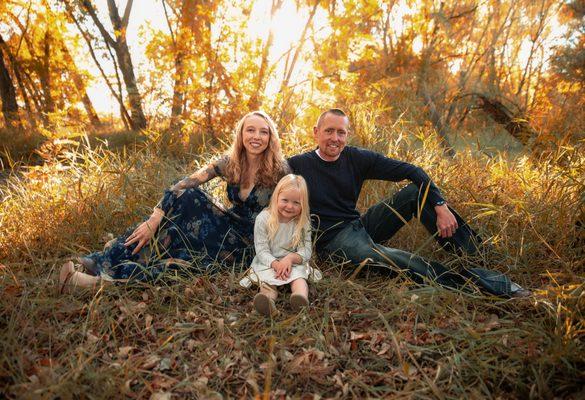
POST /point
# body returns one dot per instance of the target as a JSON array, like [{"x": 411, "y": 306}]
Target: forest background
[{"x": 105, "y": 103}]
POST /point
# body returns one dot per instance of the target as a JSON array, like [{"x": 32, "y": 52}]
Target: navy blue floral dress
[{"x": 197, "y": 235}]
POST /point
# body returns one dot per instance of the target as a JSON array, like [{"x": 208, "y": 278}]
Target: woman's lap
[{"x": 197, "y": 233}]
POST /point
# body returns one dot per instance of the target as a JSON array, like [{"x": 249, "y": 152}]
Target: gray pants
[{"x": 361, "y": 240}]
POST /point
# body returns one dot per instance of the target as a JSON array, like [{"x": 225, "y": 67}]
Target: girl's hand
[
  {"x": 144, "y": 232},
  {"x": 286, "y": 267},
  {"x": 279, "y": 268}
]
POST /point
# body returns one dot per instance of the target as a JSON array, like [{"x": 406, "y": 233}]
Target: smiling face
[
  {"x": 255, "y": 135},
  {"x": 289, "y": 204},
  {"x": 331, "y": 135}
]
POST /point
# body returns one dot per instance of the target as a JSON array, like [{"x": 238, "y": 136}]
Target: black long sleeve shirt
[{"x": 334, "y": 186}]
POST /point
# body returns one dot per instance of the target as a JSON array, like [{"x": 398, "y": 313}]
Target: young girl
[{"x": 282, "y": 238}]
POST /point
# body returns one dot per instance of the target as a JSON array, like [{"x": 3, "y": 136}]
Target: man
[{"x": 335, "y": 174}]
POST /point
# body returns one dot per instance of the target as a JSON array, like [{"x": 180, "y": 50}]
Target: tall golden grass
[{"x": 362, "y": 338}]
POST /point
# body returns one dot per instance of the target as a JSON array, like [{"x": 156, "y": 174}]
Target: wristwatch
[{"x": 441, "y": 203}]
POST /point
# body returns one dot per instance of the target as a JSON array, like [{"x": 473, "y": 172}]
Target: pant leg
[
  {"x": 354, "y": 244},
  {"x": 385, "y": 218}
]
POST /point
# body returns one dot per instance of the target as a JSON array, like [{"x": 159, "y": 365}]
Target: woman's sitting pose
[
  {"x": 282, "y": 238},
  {"x": 188, "y": 229}
]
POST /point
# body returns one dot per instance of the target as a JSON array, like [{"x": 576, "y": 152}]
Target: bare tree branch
[
  {"x": 86, "y": 4},
  {"x": 126, "y": 16}
]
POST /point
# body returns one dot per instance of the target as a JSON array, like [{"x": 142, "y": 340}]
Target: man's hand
[
  {"x": 144, "y": 232},
  {"x": 446, "y": 221}
]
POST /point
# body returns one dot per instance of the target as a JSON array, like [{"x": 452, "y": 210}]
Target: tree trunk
[
  {"x": 125, "y": 63},
  {"x": 516, "y": 124},
  {"x": 80, "y": 86},
  {"x": 437, "y": 122},
  {"x": 8, "y": 95},
  {"x": 284, "y": 117},
  {"x": 424, "y": 92},
  {"x": 182, "y": 47},
  {"x": 256, "y": 98},
  {"x": 45, "y": 74}
]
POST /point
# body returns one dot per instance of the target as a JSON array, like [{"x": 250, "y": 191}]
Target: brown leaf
[
  {"x": 91, "y": 338},
  {"x": 46, "y": 362},
  {"x": 407, "y": 371},
  {"x": 191, "y": 344},
  {"x": 359, "y": 336},
  {"x": 148, "y": 321},
  {"x": 13, "y": 290},
  {"x": 493, "y": 323},
  {"x": 151, "y": 361},
  {"x": 161, "y": 396},
  {"x": 163, "y": 382},
  {"x": 201, "y": 383},
  {"x": 131, "y": 308},
  {"x": 124, "y": 351},
  {"x": 384, "y": 349}
]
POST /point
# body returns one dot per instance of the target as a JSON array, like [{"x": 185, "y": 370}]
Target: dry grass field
[{"x": 363, "y": 337}]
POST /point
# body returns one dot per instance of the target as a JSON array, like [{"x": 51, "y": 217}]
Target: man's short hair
[{"x": 335, "y": 111}]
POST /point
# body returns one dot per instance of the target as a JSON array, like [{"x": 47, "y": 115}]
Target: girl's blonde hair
[
  {"x": 290, "y": 181},
  {"x": 272, "y": 165}
]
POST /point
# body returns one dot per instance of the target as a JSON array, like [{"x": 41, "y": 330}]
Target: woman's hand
[{"x": 145, "y": 231}]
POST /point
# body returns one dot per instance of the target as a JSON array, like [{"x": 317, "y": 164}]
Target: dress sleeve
[
  {"x": 263, "y": 253},
  {"x": 305, "y": 247},
  {"x": 169, "y": 196},
  {"x": 166, "y": 202},
  {"x": 220, "y": 165}
]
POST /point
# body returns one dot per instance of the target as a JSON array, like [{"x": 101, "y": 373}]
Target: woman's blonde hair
[
  {"x": 290, "y": 181},
  {"x": 272, "y": 164}
]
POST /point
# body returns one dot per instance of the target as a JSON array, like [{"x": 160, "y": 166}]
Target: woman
[{"x": 187, "y": 228}]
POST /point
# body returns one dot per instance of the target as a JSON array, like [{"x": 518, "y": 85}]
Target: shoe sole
[
  {"x": 521, "y": 294},
  {"x": 298, "y": 302},
  {"x": 264, "y": 305}
]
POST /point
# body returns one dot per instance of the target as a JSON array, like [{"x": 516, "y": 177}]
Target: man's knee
[
  {"x": 409, "y": 192},
  {"x": 356, "y": 254}
]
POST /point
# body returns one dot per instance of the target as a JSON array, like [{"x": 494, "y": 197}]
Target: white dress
[{"x": 268, "y": 251}]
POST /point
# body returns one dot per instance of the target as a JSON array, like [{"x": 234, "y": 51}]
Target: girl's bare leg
[
  {"x": 264, "y": 301},
  {"x": 300, "y": 294},
  {"x": 269, "y": 291},
  {"x": 70, "y": 278}
]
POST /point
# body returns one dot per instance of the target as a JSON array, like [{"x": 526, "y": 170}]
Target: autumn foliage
[{"x": 487, "y": 96}]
